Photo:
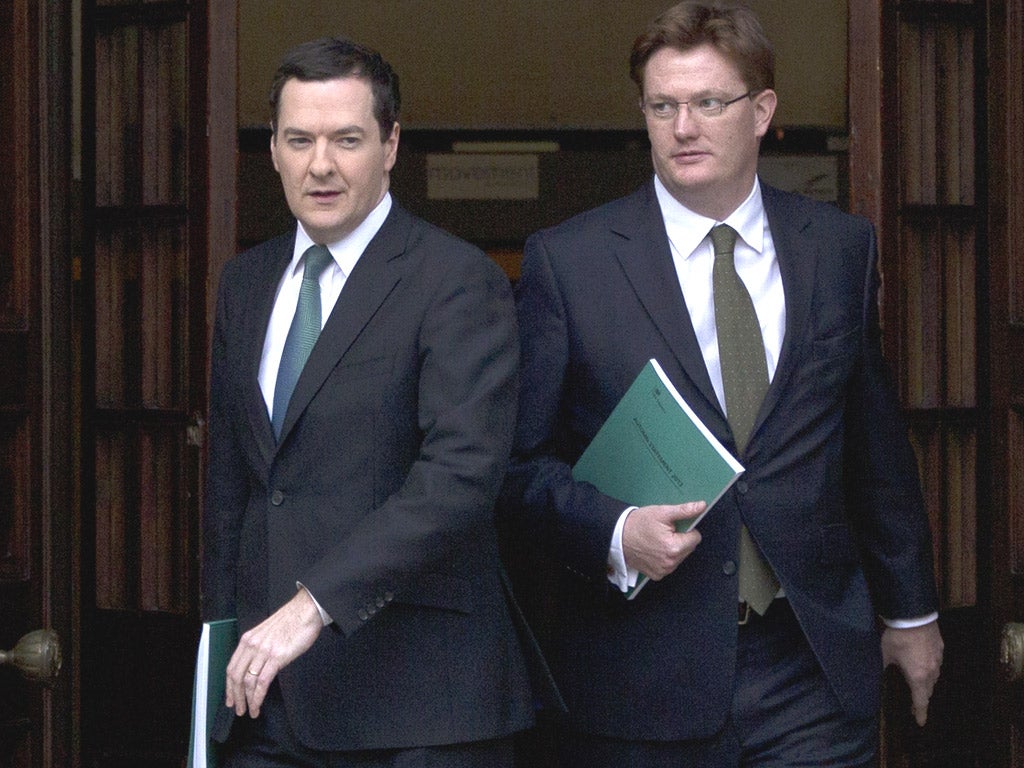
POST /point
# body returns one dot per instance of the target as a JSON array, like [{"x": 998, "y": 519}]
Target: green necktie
[
  {"x": 302, "y": 334},
  {"x": 745, "y": 380}
]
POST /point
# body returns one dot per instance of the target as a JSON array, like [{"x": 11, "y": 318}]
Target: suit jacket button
[
  {"x": 277, "y": 498},
  {"x": 741, "y": 486},
  {"x": 729, "y": 567},
  {"x": 363, "y": 615},
  {"x": 389, "y": 596},
  {"x": 380, "y": 602}
]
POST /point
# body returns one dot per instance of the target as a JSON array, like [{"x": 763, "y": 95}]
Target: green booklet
[
  {"x": 216, "y": 644},
  {"x": 654, "y": 450}
]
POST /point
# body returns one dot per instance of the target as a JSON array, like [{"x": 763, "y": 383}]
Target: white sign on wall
[{"x": 482, "y": 177}]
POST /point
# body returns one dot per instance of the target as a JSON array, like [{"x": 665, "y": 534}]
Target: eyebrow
[
  {"x": 345, "y": 130},
  {"x": 706, "y": 93}
]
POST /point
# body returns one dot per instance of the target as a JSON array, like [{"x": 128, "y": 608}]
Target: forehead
[
  {"x": 345, "y": 99},
  {"x": 694, "y": 70}
]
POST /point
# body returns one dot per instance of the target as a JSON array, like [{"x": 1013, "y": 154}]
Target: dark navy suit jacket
[
  {"x": 830, "y": 491},
  {"x": 379, "y": 495}
]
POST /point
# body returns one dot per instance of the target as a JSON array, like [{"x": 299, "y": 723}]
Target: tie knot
[
  {"x": 724, "y": 239},
  {"x": 317, "y": 257}
]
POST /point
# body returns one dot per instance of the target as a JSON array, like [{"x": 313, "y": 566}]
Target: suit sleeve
[
  {"x": 227, "y": 491},
  {"x": 883, "y": 490},
  {"x": 541, "y": 502}
]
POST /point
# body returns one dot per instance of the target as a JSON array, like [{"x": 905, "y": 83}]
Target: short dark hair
[
  {"x": 330, "y": 58},
  {"x": 732, "y": 29}
]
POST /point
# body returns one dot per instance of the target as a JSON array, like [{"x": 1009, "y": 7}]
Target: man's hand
[
  {"x": 268, "y": 648},
  {"x": 917, "y": 651},
  {"x": 650, "y": 542}
]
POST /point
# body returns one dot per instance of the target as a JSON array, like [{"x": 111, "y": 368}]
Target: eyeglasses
[{"x": 709, "y": 106}]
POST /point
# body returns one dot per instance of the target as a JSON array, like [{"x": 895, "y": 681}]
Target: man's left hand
[
  {"x": 268, "y": 648},
  {"x": 917, "y": 651}
]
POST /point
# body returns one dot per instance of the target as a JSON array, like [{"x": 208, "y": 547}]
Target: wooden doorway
[
  {"x": 52, "y": 425},
  {"x": 158, "y": 178},
  {"x": 37, "y": 582},
  {"x": 936, "y": 105}
]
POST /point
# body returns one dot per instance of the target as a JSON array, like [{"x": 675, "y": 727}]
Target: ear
[
  {"x": 764, "y": 110},
  {"x": 273, "y": 150},
  {"x": 391, "y": 148}
]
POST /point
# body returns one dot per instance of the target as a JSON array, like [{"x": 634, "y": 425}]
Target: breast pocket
[
  {"x": 832, "y": 359},
  {"x": 836, "y": 345},
  {"x": 363, "y": 368}
]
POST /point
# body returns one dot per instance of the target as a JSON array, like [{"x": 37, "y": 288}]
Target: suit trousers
[
  {"x": 268, "y": 742},
  {"x": 784, "y": 715}
]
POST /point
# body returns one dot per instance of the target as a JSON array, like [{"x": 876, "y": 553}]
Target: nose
[
  {"x": 321, "y": 164},
  {"x": 684, "y": 125}
]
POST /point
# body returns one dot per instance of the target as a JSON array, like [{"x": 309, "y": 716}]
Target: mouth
[
  {"x": 689, "y": 156},
  {"x": 324, "y": 195}
]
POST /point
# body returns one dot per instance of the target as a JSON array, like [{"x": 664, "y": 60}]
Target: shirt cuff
[
  {"x": 620, "y": 574},
  {"x": 920, "y": 621},
  {"x": 325, "y": 617}
]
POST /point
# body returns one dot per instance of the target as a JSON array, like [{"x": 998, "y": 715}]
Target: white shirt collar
[
  {"x": 687, "y": 229},
  {"x": 346, "y": 252}
]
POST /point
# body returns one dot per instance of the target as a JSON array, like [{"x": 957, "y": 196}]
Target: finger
[
  {"x": 921, "y": 714},
  {"x": 241, "y": 679},
  {"x": 920, "y": 696},
  {"x": 235, "y": 678},
  {"x": 254, "y": 694},
  {"x": 692, "y": 508},
  {"x": 257, "y": 693}
]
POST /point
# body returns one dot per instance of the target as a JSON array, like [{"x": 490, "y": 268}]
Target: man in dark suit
[
  {"x": 827, "y": 522},
  {"x": 349, "y": 514}
]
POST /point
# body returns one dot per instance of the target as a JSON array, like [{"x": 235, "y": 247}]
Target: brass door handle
[
  {"x": 1011, "y": 651},
  {"x": 36, "y": 656}
]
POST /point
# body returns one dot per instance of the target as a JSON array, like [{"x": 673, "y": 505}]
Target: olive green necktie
[
  {"x": 745, "y": 381},
  {"x": 302, "y": 334}
]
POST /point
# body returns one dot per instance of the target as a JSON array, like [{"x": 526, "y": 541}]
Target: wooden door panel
[
  {"x": 36, "y": 511},
  {"x": 1006, "y": 319},
  {"x": 140, "y": 475},
  {"x": 155, "y": 174},
  {"x": 19, "y": 706},
  {"x": 938, "y": 88},
  {"x": 916, "y": 88}
]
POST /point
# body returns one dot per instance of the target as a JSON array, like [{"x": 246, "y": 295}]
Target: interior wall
[{"x": 465, "y": 64}]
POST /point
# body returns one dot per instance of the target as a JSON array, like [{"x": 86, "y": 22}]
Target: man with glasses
[{"x": 758, "y": 640}]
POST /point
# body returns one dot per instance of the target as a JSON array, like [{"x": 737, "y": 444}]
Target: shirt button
[
  {"x": 277, "y": 498},
  {"x": 729, "y": 567}
]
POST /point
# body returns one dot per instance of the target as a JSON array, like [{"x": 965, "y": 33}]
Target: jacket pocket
[{"x": 438, "y": 590}]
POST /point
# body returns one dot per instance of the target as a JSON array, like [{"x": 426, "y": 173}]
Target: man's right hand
[{"x": 650, "y": 542}]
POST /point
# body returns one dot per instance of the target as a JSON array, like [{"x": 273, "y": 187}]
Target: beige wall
[{"x": 533, "y": 63}]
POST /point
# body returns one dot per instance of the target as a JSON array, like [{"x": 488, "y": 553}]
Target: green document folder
[
  {"x": 216, "y": 644},
  {"x": 654, "y": 450}
]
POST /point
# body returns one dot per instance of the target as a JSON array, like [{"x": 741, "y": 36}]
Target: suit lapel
[
  {"x": 268, "y": 278},
  {"x": 796, "y": 249},
  {"x": 375, "y": 276},
  {"x": 646, "y": 259}
]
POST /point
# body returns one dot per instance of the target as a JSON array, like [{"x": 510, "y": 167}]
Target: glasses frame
[{"x": 695, "y": 112}]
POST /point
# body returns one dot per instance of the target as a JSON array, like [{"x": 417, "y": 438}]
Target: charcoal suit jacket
[{"x": 379, "y": 494}]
